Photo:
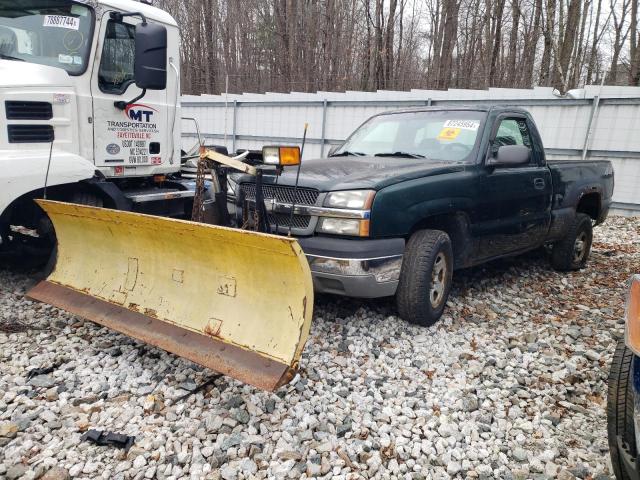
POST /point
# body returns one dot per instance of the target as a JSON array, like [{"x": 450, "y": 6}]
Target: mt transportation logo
[{"x": 139, "y": 112}]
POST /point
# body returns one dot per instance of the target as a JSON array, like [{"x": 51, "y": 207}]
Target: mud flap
[{"x": 235, "y": 301}]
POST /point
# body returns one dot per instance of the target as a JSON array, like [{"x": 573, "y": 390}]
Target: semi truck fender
[{"x": 24, "y": 171}]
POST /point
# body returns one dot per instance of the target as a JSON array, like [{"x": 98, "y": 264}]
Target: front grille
[
  {"x": 30, "y": 133},
  {"x": 282, "y": 219},
  {"x": 282, "y": 193},
  {"x": 20, "y": 110}
]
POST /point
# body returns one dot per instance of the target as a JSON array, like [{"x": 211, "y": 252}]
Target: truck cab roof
[
  {"x": 458, "y": 108},
  {"x": 149, "y": 11}
]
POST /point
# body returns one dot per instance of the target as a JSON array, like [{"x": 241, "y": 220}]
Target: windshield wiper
[
  {"x": 400, "y": 154},
  {"x": 9, "y": 57},
  {"x": 347, "y": 153}
]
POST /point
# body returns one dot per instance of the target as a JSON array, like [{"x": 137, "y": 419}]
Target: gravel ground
[{"x": 511, "y": 383}]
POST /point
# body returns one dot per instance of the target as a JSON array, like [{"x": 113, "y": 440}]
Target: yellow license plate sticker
[{"x": 448, "y": 133}]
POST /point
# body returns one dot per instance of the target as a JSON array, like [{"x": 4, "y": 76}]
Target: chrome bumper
[{"x": 356, "y": 277}]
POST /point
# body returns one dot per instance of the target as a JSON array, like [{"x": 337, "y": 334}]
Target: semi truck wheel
[
  {"x": 572, "y": 252},
  {"x": 425, "y": 278},
  {"x": 620, "y": 424}
]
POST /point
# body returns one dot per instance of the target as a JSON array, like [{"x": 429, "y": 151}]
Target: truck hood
[
  {"x": 14, "y": 73},
  {"x": 351, "y": 173}
]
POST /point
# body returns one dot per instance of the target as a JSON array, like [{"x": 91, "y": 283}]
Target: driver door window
[
  {"x": 513, "y": 131},
  {"x": 116, "y": 71}
]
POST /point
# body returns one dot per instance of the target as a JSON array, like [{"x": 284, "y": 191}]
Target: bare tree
[{"x": 307, "y": 45}]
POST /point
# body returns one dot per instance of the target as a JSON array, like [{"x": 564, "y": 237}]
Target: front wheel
[
  {"x": 620, "y": 414},
  {"x": 425, "y": 278}
]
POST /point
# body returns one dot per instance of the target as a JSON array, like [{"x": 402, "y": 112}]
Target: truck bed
[{"x": 574, "y": 179}]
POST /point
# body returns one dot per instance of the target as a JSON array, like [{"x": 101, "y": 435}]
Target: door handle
[{"x": 539, "y": 183}]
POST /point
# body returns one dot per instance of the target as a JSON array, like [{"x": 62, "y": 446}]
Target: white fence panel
[{"x": 249, "y": 121}]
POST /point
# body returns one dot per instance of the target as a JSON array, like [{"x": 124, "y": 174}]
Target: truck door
[
  {"x": 130, "y": 141},
  {"x": 515, "y": 201}
]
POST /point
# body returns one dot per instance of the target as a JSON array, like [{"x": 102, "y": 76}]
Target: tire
[
  {"x": 572, "y": 252},
  {"x": 427, "y": 257},
  {"x": 620, "y": 421},
  {"x": 82, "y": 198},
  {"x": 85, "y": 198}
]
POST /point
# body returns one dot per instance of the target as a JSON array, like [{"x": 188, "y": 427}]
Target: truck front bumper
[{"x": 354, "y": 268}]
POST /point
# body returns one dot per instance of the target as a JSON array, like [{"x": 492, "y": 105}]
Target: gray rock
[
  {"x": 235, "y": 402},
  {"x": 14, "y": 472},
  {"x": 520, "y": 454},
  {"x": 188, "y": 385},
  {"x": 270, "y": 405},
  {"x": 565, "y": 474},
  {"x": 470, "y": 403},
  {"x": 42, "y": 381},
  {"x": 242, "y": 416},
  {"x": 453, "y": 468},
  {"x": 228, "y": 472},
  {"x": 232, "y": 440},
  {"x": 344, "y": 427},
  {"x": 56, "y": 473},
  {"x": 248, "y": 467},
  {"x": 592, "y": 355}
]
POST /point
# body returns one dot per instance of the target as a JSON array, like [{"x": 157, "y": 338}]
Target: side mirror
[
  {"x": 511, "y": 155},
  {"x": 151, "y": 56}
]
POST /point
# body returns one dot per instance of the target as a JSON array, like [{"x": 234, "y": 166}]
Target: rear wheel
[
  {"x": 572, "y": 252},
  {"x": 425, "y": 278},
  {"x": 620, "y": 423}
]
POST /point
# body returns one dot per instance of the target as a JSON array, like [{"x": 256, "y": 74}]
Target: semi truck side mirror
[
  {"x": 151, "y": 56},
  {"x": 510, "y": 155}
]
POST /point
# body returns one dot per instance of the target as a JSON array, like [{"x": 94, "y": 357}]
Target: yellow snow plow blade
[{"x": 235, "y": 301}]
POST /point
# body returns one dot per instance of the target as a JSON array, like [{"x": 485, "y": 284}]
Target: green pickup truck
[{"x": 413, "y": 195}]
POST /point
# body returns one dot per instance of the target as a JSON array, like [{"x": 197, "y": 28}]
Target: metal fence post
[
  {"x": 587, "y": 137},
  {"x": 234, "y": 133},
  {"x": 324, "y": 124}
]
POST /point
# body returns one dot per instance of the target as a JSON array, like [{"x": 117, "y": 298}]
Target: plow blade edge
[{"x": 237, "y": 302}]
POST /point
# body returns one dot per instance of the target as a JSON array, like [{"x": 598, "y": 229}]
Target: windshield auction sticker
[
  {"x": 61, "y": 21},
  {"x": 449, "y": 133},
  {"x": 462, "y": 124}
]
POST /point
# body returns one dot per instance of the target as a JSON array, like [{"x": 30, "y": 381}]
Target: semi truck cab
[{"x": 89, "y": 97}]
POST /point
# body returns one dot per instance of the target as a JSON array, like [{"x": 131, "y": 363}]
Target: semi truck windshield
[{"x": 53, "y": 33}]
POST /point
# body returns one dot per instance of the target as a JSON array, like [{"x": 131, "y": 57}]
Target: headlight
[
  {"x": 354, "y": 199},
  {"x": 632, "y": 314},
  {"x": 344, "y": 226}
]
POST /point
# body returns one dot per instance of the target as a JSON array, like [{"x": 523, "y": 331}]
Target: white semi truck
[{"x": 89, "y": 102}]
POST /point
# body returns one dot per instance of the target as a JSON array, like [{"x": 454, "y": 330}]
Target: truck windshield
[
  {"x": 445, "y": 135},
  {"x": 56, "y": 33}
]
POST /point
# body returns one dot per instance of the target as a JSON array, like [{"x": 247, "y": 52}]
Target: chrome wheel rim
[
  {"x": 438, "y": 280},
  {"x": 580, "y": 247}
]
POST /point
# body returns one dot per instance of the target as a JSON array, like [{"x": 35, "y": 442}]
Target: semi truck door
[
  {"x": 515, "y": 200},
  {"x": 132, "y": 141}
]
